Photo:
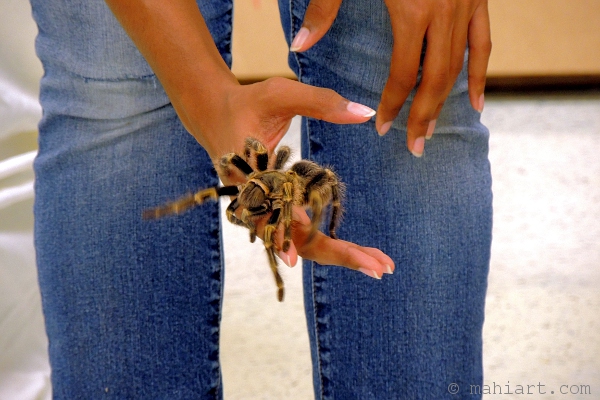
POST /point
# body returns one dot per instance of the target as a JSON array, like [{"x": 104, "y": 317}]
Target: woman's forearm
[
  {"x": 213, "y": 106},
  {"x": 177, "y": 44}
]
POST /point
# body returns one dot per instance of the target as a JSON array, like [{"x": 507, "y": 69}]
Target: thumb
[
  {"x": 288, "y": 98},
  {"x": 318, "y": 18}
]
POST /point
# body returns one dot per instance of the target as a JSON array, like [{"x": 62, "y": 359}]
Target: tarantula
[{"x": 269, "y": 190}]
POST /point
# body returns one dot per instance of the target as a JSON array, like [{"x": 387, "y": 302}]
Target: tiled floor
[{"x": 543, "y": 306}]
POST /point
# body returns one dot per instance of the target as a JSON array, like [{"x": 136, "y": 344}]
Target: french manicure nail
[
  {"x": 430, "y": 129},
  {"x": 285, "y": 257},
  {"x": 385, "y": 128},
  {"x": 370, "y": 273},
  {"x": 481, "y": 103},
  {"x": 418, "y": 147},
  {"x": 388, "y": 269},
  {"x": 299, "y": 40},
  {"x": 360, "y": 110}
]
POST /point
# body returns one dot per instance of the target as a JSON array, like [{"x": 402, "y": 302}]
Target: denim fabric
[
  {"x": 412, "y": 334},
  {"x": 132, "y": 308}
]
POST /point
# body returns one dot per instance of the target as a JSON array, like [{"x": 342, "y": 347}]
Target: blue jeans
[{"x": 132, "y": 308}]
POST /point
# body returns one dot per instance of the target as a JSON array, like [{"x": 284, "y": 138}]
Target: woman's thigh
[
  {"x": 132, "y": 307},
  {"x": 415, "y": 332}
]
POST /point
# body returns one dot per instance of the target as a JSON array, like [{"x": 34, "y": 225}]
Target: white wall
[{"x": 24, "y": 368}]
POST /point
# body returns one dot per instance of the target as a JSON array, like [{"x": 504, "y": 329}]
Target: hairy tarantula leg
[
  {"x": 170, "y": 208},
  {"x": 262, "y": 157},
  {"x": 252, "y": 228},
  {"x": 316, "y": 204},
  {"x": 249, "y": 224},
  {"x": 281, "y": 157},
  {"x": 231, "y": 190},
  {"x": 230, "y": 212},
  {"x": 336, "y": 209},
  {"x": 189, "y": 201},
  {"x": 270, "y": 247},
  {"x": 236, "y": 161},
  {"x": 288, "y": 198},
  {"x": 315, "y": 199},
  {"x": 336, "y": 205}
]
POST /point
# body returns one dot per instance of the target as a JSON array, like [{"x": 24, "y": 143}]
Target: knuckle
[
  {"x": 477, "y": 78},
  {"x": 404, "y": 83},
  {"x": 273, "y": 89},
  {"x": 274, "y": 84},
  {"x": 436, "y": 82},
  {"x": 347, "y": 257},
  {"x": 317, "y": 12},
  {"x": 446, "y": 8},
  {"x": 389, "y": 107},
  {"x": 455, "y": 68},
  {"x": 419, "y": 16},
  {"x": 487, "y": 46},
  {"x": 325, "y": 98},
  {"x": 420, "y": 118},
  {"x": 484, "y": 47}
]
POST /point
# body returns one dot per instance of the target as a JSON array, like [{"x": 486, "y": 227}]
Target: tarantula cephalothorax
[{"x": 269, "y": 190}]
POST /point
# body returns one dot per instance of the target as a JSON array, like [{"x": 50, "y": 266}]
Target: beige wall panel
[
  {"x": 530, "y": 37},
  {"x": 545, "y": 37},
  {"x": 258, "y": 45}
]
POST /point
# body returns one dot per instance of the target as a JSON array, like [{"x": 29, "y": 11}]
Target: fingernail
[
  {"x": 299, "y": 40},
  {"x": 370, "y": 273},
  {"x": 360, "y": 110},
  {"x": 418, "y": 147},
  {"x": 388, "y": 269},
  {"x": 430, "y": 129},
  {"x": 385, "y": 128},
  {"x": 285, "y": 258},
  {"x": 481, "y": 103}
]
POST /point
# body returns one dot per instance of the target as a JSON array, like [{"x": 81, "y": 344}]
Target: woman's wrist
[{"x": 177, "y": 44}]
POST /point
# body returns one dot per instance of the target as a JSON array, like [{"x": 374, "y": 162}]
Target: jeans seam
[
  {"x": 219, "y": 237},
  {"x": 220, "y": 260},
  {"x": 316, "y": 328},
  {"x": 315, "y": 303},
  {"x": 312, "y": 263}
]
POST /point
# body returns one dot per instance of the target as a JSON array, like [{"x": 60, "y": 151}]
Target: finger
[
  {"x": 457, "y": 58},
  {"x": 327, "y": 251},
  {"x": 434, "y": 83},
  {"x": 404, "y": 69},
  {"x": 318, "y": 18},
  {"x": 384, "y": 259},
  {"x": 286, "y": 98},
  {"x": 480, "y": 48},
  {"x": 289, "y": 258}
]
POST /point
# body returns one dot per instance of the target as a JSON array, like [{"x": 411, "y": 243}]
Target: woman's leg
[
  {"x": 132, "y": 307},
  {"x": 414, "y": 333}
]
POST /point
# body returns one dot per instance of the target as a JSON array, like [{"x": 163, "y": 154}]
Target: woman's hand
[
  {"x": 324, "y": 250},
  {"x": 447, "y": 25},
  {"x": 263, "y": 110},
  {"x": 221, "y": 113}
]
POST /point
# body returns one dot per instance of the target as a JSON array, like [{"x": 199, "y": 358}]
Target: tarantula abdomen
[{"x": 252, "y": 196}]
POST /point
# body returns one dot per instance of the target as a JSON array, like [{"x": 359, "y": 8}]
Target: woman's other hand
[{"x": 447, "y": 26}]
